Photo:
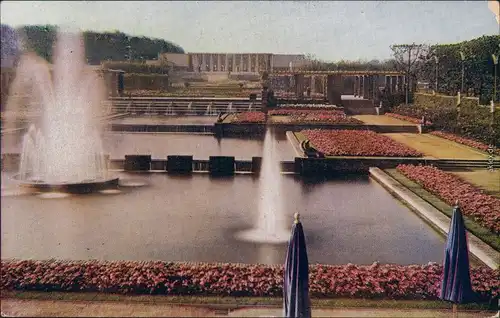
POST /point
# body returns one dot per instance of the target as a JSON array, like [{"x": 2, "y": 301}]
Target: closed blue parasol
[
  {"x": 456, "y": 284},
  {"x": 296, "y": 301}
]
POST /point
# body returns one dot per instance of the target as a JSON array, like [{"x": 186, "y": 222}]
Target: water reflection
[{"x": 195, "y": 218}]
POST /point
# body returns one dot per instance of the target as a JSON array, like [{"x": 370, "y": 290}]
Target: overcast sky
[{"x": 331, "y": 30}]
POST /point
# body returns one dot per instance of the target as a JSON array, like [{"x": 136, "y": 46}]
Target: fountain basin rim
[{"x": 70, "y": 187}]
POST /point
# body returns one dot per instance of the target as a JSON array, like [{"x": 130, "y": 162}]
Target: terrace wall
[{"x": 146, "y": 81}]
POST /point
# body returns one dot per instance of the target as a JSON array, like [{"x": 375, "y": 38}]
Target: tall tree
[{"x": 407, "y": 58}]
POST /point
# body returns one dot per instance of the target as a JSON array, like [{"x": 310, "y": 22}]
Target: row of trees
[
  {"x": 468, "y": 66},
  {"x": 99, "y": 46}
]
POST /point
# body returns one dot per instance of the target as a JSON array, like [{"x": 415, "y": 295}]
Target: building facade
[{"x": 233, "y": 62}]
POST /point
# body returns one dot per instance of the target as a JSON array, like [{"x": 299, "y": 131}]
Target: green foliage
[
  {"x": 478, "y": 67},
  {"x": 112, "y": 46},
  {"x": 343, "y": 65},
  {"x": 473, "y": 121}
]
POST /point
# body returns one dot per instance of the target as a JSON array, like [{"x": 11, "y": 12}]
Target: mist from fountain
[
  {"x": 65, "y": 146},
  {"x": 270, "y": 225}
]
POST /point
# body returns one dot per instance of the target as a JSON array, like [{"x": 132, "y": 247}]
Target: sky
[{"x": 329, "y": 30}]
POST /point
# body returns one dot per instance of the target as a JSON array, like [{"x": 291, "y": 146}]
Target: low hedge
[
  {"x": 473, "y": 121},
  {"x": 156, "y": 277}
]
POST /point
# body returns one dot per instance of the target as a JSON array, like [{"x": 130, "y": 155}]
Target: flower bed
[
  {"x": 464, "y": 141},
  {"x": 483, "y": 208},
  {"x": 375, "y": 281},
  {"x": 315, "y": 116},
  {"x": 290, "y": 112},
  {"x": 249, "y": 118},
  {"x": 308, "y": 106},
  {"x": 357, "y": 143}
]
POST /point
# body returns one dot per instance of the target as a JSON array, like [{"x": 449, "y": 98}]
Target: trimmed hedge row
[
  {"x": 157, "y": 277},
  {"x": 473, "y": 121}
]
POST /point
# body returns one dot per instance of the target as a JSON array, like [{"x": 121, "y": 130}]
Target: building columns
[
  {"x": 393, "y": 84},
  {"x": 299, "y": 85},
  {"x": 249, "y": 63},
  {"x": 356, "y": 85},
  {"x": 334, "y": 89},
  {"x": 362, "y": 85}
]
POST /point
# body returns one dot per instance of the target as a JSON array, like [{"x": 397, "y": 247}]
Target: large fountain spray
[
  {"x": 270, "y": 221},
  {"x": 66, "y": 146}
]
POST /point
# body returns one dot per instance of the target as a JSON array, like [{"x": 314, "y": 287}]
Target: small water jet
[
  {"x": 270, "y": 221},
  {"x": 64, "y": 151},
  {"x": 210, "y": 111},
  {"x": 170, "y": 109}
]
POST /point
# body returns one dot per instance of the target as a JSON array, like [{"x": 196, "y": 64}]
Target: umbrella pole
[{"x": 454, "y": 310}]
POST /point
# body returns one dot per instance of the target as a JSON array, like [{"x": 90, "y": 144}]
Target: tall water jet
[
  {"x": 270, "y": 225},
  {"x": 64, "y": 147}
]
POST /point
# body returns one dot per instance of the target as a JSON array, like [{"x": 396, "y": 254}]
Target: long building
[{"x": 234, "y": 62}]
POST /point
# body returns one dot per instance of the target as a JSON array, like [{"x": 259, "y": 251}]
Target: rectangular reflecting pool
[
  {"x": 160, "y": 145},
  {"x": 196, "y": 218}
]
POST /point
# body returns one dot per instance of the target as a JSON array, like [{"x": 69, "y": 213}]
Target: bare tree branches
[{"x": 407, "y": 59}]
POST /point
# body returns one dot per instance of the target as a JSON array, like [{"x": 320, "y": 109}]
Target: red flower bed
[
  {"x": 463, "y": 141},
  {"x": 357, "y": 143},
  {"x": 375, "y": 281},
  {"x": 483, "y": 208},
  {"x": 307, "y": 107},
  {"x": 289, "y": 112},
  {"x": 249, "y": 117},
  {"x": 409, "y": 119},
  {"x": 315, "y": 116}
]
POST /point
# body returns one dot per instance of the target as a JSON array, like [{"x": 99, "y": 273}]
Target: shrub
[
  {"x": 473, "y": 121},
  {"x": 357, "y": 143}
]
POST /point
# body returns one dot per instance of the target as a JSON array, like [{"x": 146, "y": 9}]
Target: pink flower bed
[
  {"x": 315, "y": 116},
  {"x": 463, "y": 141},
  {"x": 409, "y": 119},
  {"x": 249, "y": 117},
  {"x": 289, "y": 112},
  {"x": 483, "y": 208},
  {"x": 375, "y": 281},
  {"x": 357, "y": 143}
]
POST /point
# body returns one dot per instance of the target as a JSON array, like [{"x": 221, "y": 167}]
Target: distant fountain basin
[
  {"x": 63, "y": 151},
  {"x": 84, "y": 186}
]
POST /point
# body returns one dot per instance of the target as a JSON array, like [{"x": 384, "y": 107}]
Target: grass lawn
[
  {"x": 280, "y": 119},
  {"x": 484, "y": 234},
  {"x": 489, "y": 181},
  {"x": 438, "y": 147},
  {"x": 382, "y": 120}
]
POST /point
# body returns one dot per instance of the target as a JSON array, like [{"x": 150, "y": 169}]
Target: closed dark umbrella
[
  {"x": 296, "y": 301},
  {"x": 456, "y": 284}
]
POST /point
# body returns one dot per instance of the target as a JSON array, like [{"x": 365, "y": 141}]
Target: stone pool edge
[{"x": 441, "y": 222}]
